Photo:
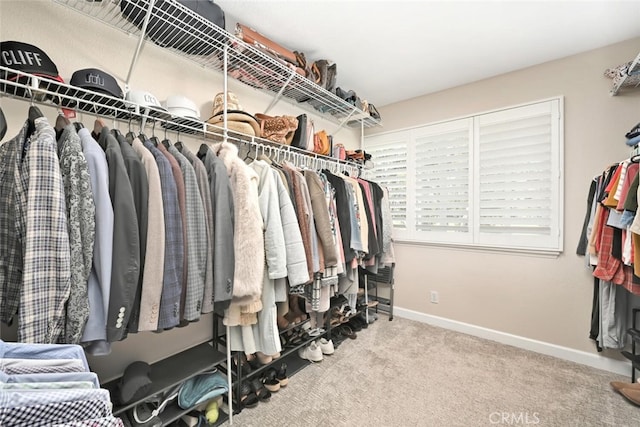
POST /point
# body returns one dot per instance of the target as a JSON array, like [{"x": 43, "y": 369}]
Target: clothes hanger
[
  {"x": 154, "y": 139},
  {"x": 635, "y": 154},
  {"x": 61, "y": 122},
  {"x": 34, "y": 113},
  {"x": 178, "y": 143},
  {"x": 166, "y": 141},
  {"x": 3, "y": 125},
  {"x": 98, "y": 124},
  {"x": 114, "y": 129},
  {"x": 78, "y": 124}
]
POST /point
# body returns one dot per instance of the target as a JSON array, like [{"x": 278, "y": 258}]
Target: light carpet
[{"x": 406, "y": 373}]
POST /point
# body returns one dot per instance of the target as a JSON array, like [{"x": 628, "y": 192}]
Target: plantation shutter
[
  {"x": 517, "y": 175},
  {"x": 442, "y": 179},
  {"x": 389, "y": 156}
]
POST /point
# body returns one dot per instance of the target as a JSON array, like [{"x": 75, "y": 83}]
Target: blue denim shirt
[
  {"x": 51, "y": 377},
  {"x": 10, "y": 350}
]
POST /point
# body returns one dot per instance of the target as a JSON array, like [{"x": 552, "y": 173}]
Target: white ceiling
[{"x": 388, "y": 51}]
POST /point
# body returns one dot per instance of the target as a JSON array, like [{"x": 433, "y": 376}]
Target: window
[{"x": 491, "y": 180}]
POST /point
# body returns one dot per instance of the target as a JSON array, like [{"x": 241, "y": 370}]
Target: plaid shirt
[
  {"x": 610, "y": 268},
  {"x": 55, "y": 413},
  {"x": 36, "y": 267}
]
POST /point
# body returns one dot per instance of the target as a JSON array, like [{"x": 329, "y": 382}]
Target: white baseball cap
[
  {"x": 144, "y": 99},
  {"x": 181, "y": 106}
]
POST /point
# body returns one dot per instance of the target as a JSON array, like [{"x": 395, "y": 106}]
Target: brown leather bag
[
  {"x": 321, "y": 143},
  {"x": 254, "y": 38},
  {"x": 278, "y": 129}
]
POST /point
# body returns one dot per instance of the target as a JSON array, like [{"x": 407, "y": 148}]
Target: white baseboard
[{"x": 593, "y": 360}]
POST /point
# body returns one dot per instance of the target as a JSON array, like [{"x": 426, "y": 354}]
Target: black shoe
[
  {"x": 281, "y": 375},
  {"x": 270, "y": 380},
  {"x": 260, "y": 390},
  {"x": 354, "y": 324},
  {"x": 248, "y": 398},
  {"x": 361, "y": 321},
  {"x": 244, "y": 365}
]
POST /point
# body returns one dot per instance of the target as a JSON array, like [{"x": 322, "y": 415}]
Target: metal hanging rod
[{"x": 27, "y": 87}]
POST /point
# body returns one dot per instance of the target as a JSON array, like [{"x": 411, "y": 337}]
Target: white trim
[
  {"x": 565, "y": 353},
  {"x": 466, "y": 116}
]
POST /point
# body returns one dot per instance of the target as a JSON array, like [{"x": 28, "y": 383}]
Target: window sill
[{"x": 541, "y": 253}]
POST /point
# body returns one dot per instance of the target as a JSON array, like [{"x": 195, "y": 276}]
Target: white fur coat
[{"x": 248, "y": 227}]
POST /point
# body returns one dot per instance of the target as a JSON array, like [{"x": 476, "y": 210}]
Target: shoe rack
[
  {"x": 288, "y": 356},
  {"x": 634, "y": 335}
]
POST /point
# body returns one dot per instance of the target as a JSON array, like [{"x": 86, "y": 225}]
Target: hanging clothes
[
  {"x": 612, "y": 245},
  {"x": 222, "y": 232},
  {"x": 169, "y": 313},
  {"x": 81, "y": 212},
  {"x": 265, "y": 336},
  {"x": 94, "y": 336},
  {"x": 248, "y": 226},
  {"x": 205, "y": 195},
  {"x": 302, "y": 214},
  {"x": 126, "y": 246},
  {"x": 176, "y": 172},
  {"x": 297, "y": 272},
  {"x": 36, "y": 261},
  {"x": 140, "y": 189},
  {"x": 196, "y": 239},
  {"x": 344, "y": 215},
  {"x": 154, "y": 265}
]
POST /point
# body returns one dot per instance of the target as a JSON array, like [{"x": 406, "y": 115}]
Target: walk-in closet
[{"x": 306, "y": 213}]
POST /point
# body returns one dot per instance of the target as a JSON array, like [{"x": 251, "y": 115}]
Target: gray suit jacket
[
  {"x": 140, "y": 188},
  {"x": 126, "y": 240},
  {"x": 223, "y": 247}
]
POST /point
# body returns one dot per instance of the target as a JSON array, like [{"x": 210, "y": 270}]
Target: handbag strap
[
  {"x": 316, "y": 73},
  {"x": 155, "y": 412}
]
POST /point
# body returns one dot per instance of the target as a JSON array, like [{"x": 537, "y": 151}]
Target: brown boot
[{"x": 619, "y": 385}]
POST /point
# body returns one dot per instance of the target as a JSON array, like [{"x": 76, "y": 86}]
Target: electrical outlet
[{"x": 434, "y": 297}]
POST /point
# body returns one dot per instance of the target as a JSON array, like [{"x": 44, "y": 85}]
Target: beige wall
[
  {"x": 545, "y": 299},
  {"x": 74, "y": 42}
]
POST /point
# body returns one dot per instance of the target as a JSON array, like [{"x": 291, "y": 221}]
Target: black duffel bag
[{"x": 170, "y": 25}]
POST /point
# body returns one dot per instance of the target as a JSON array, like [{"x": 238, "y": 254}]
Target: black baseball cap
[
  {"x": 633, "y": 132},
  {"x": 28, "y": 59},
  {"x": 97, "y": 81}
]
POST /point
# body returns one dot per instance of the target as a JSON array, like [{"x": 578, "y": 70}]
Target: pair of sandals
[
  {"x": 293, "y": 337},
  {"x": 253, "y": 392},
  {"x": 274, "y": 379},
  {"x": 341, "y": 315}
]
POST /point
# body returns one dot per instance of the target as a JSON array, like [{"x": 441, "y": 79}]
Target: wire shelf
[
  {"x": 633, "y": 69},
  {"x": 28, "y": 87},
  {"x": 177, "y": 28}
]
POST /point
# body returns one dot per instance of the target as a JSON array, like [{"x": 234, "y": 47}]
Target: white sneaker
[
  {"x": 326, "y": 346},
  {"x": 311, "y": 352}
]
